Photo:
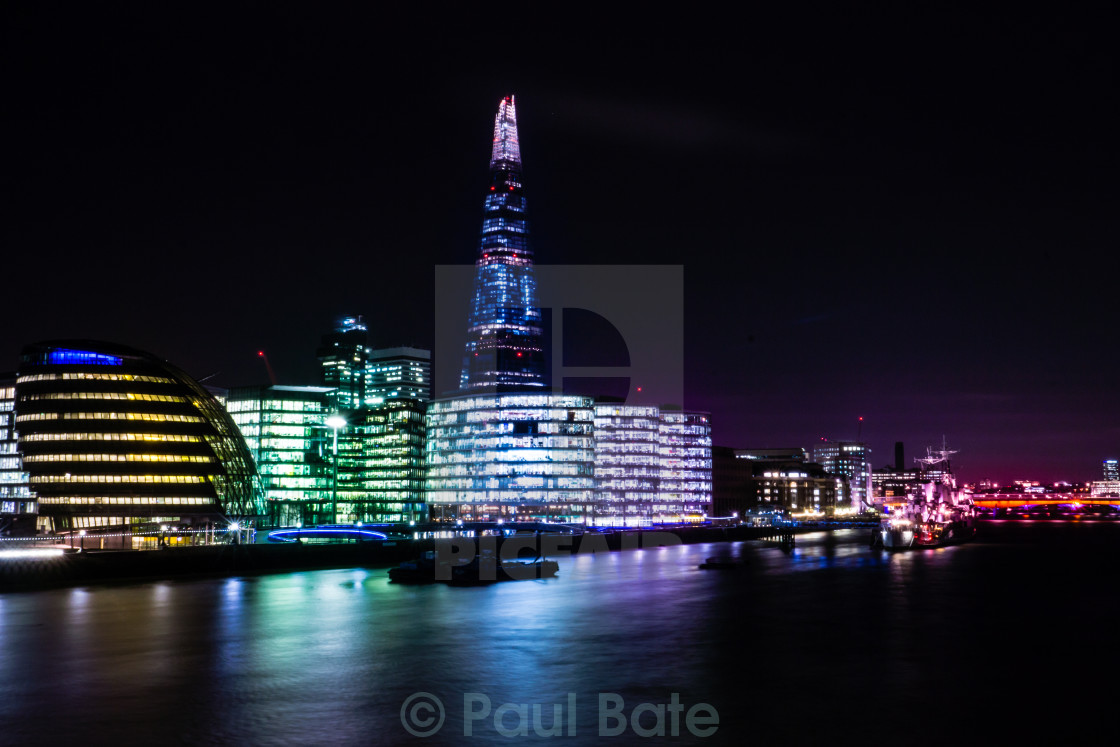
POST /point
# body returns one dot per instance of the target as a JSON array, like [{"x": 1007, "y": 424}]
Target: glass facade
[
  {"x": 16, "y": 498},
  {"x": 566, "y": 458},
  {"x": 521, "y": 456},
  {"x": 504, "y": 342},
  {"x": 112, "y": 436},
  {"x": 627, "y": 463},
  {"x": 380, "y": 456},
  {"x": 381, "y": 464},
  {"x": 286, "y": 432},
  {"x": 344, "y": 358},
  {"x": 685, "y": 448}
]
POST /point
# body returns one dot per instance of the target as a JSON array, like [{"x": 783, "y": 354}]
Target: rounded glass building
[
  {"x": 516, "y": 456},
  {"x": 115, "y": 438}
]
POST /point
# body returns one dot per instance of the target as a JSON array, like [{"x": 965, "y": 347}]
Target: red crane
[{"x": 271, "y": 375}]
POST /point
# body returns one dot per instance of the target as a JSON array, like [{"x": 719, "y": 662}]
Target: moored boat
[
  {"x": 485, "y": 569},
  {"x": 933, "y": 515}
]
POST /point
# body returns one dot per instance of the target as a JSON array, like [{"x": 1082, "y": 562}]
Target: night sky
[{"x": 909, "y": 218}]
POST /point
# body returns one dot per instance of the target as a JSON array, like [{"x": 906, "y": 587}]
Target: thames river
[{"x": 1012, "y": 637}]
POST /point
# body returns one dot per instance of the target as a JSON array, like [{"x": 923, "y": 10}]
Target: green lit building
[
  {"x": 344, "y": 358},
  {"x": 286, "y": 432},
  {"x": 380, "y": 455},
  {"x": 381, "y": 464}
]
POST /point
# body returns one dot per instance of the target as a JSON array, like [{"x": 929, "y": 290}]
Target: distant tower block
[
  {"x": 343, "y": 356},
  {"x": 1111, "y": 469},
  {"x": 899, "y": 457}
]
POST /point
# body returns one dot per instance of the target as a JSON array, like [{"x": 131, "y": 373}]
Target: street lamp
[{"x": 334, "y": 422}]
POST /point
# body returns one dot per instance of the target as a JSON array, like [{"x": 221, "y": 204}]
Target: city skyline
[{"x": 910, "y": 242}]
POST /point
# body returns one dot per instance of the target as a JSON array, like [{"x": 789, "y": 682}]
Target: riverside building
[
  {"x": 116, "y": 439},
  {"x": 285, "y": 429},
  {"x": 17, "y": 502}
]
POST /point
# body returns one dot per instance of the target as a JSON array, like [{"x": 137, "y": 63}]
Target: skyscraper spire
[
  {"x": 504, "y": 341},
  {"x": 505, "y": 135}
]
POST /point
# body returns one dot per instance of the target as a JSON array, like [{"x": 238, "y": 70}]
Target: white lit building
[
  {"x": 685, "y": 446},
  {"x": 565, "y": 458},
  {"x": 16, "y": 498},
  {"x": 627, "y": 463},
  {"x": 522, "y": 456}
]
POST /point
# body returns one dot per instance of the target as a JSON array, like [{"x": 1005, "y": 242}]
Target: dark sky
[{"x": 906, "y": 216}]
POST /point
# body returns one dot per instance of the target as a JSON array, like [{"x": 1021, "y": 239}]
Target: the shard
[{"x": 504, "y": 349}]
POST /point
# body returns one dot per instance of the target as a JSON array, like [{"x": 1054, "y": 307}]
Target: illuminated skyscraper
[
  {"x": 343, "y": 356},
  {"x": 504, "y": 342}
]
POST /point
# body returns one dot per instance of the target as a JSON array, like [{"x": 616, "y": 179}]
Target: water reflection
[{"x": 779, "y": 646}]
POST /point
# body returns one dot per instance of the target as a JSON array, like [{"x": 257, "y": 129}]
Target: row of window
[
  {"x": 119, "y": 478},
  {"x": 127, "y": 501},
  {"x": 119, "y": 458},
  {"x": 94, "y": 377},
  {"x": 285, "y": 405},
  {"x": 157, "y": 417},
  {"x": 170, "y": 437},
  {"x": 106, "y": 395}
]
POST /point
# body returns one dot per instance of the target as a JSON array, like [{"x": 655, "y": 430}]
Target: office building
[
  {"x": 511, "y": 456},
  {"x": 890, "y": 483},
  {"x": 17, "y": 503},
  {"x": 504, "y": 345},
  {"x": 851, "y": 461},
  {"x": 344, "y": 358},
  {"x": 287, "y": 434},
  {"x": 685, "y": 450},
  {"x": 115, "y": 438},
  {"x": 381, "y": 464},
  {"x": 399, "y": 373},
  {"x": 777, "y": 479},
  {"x": 627, "y": 463}
]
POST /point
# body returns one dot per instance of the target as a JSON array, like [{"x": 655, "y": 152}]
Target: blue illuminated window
[{"x": 63, "y": 357}]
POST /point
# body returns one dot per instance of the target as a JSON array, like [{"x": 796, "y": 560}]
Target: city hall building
[{"x": 115, "y": 438}]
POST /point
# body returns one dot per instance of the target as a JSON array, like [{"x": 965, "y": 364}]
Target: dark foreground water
[{"x": 1011, "y": 638}]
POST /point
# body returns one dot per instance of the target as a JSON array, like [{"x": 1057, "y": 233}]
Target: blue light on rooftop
[{"x": 63, "y": 356}]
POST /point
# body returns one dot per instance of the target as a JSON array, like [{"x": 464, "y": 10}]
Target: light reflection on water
[{"x": 786, "y": 647}]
